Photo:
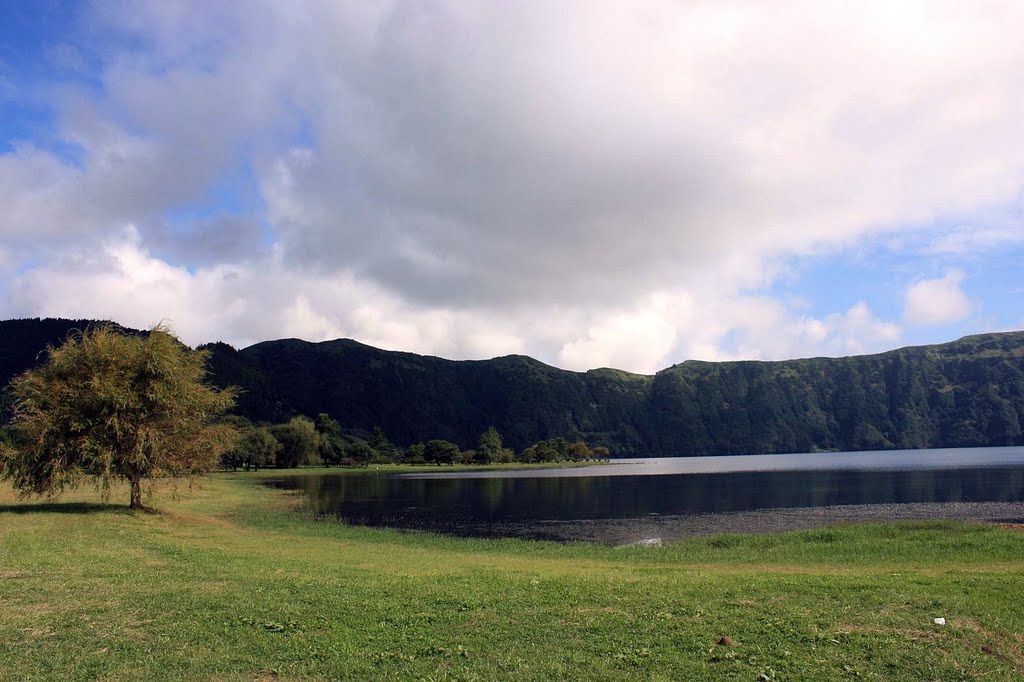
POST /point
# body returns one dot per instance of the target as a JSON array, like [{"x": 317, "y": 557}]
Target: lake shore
[{"x": 669, "y": 528}]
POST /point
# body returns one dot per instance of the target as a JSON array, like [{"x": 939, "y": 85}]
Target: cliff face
[{"x": 964, "y": 393}]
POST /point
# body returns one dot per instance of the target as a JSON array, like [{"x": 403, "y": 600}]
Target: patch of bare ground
[
  {"x": 905, "y": 633},
  {"x": 191, "y": 518},
  {"x": 1009, "y": 649},
  {"x": 36, "y": 609},
  {"x": 38, "y": 633},
  {"x": 4, "y": 575}
]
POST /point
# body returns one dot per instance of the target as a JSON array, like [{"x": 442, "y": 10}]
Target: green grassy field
[{"x": 229, "y": 582}]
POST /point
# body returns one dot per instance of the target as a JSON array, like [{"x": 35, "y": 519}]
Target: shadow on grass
[{"x": 66, "y": 508}]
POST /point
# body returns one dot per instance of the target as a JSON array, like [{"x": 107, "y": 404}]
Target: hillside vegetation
[{"x": 965, "y": 393}]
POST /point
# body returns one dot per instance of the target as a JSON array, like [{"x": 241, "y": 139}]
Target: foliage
[
  {"x": 300, "y": 442},
  {"x": 578, "y": 451},
  {"x": 385, "y": 451},
  {"x": 528, "y": 455},
  {"x": 966, "y": 393},
  {"x": 256, "y": 448},
  {"x": 440, "y": 452},
  {"x": 361, "y": 452},
  {"x": 415, "y": 454},
  {"x": 489, "y": 447},
  {"x": 331, "y": 446},
  {"x": 106, "y": 405}
]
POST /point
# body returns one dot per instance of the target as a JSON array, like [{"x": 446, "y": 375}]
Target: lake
[{"x": 634, "y": 500}]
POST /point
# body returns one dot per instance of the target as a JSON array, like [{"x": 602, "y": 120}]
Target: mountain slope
[{"x": 965, "y": 393}]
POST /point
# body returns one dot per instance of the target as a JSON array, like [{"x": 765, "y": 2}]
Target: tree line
[
  {"x": 302, "y": 441},
  {"x": 111, "y": 406},
  {"x": 966, "y": 393}
]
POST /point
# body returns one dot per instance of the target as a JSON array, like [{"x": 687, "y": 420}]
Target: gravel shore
[{"x": 656, "y": 529}]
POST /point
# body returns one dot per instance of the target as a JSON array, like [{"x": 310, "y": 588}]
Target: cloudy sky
[{"x": 625, "y": 184}]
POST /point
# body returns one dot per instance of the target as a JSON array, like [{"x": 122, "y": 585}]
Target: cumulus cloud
[
  {"x": 937, "y": 301},
  {"x": 243, "y": 303},
  {"x": 594, "y": 154},
  {"x": 597, "y": 184}
]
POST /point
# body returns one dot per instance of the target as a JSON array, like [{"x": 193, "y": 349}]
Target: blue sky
[{"x": 626, "y": 186}]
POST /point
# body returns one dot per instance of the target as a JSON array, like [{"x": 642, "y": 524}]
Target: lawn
[{"x": 230, "y": 580}]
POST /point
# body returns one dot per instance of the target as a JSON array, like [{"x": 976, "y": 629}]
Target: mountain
[{"x": 965, "y": 393}]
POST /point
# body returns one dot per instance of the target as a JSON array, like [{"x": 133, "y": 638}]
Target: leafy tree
[
  {"x": 488, "y": 447},
  {"x": 327, "y": 425},
  {"x": 506, "y": 456},
  {"x": 560, "y": 446},
  {"x": 415, "y": 454},
  {"x": 299, "y": 440},
  {"x": 601, "y": 452},
  {"x": 546, "y": 452},
  {"x": 528, "y": 455},
  {"x": 383, "y": 447},
  {"x": 332, "y": 446},
  {"x": 258, "y": 447},
  {"x": 579, "y": 451},
  {"x": 111, "y": 406},
  {"x": 440, "y": 452},
  {"x": 360, "y": 452},
  {"x": 232, "y": 459}
]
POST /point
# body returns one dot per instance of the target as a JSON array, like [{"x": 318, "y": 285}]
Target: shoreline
[
  {"x": 653, "y": 530},
  {"x": 669, "y": 528}
]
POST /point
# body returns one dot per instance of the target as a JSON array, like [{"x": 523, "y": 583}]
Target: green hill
[{"x": 966, "y": 393}]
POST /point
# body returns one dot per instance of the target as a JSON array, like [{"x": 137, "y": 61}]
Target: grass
[{"x": 227, "y": 581}]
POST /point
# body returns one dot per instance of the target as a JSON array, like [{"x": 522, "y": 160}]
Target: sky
[{"x": 590, "y": 183}]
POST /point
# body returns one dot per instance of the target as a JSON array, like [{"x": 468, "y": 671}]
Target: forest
[{"x": 968, "y": 392}]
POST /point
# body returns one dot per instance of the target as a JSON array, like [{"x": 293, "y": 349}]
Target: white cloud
[
  {"x": 969, "y": 239},
  {"x": 637, "y": 339},
  {"x": 937, "y": 301},
  {"x": 596, "y": 184},
  {"x": 264, "y": 299}
]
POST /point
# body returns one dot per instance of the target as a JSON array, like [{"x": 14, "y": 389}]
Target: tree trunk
[{"x": 136, "y": 502}]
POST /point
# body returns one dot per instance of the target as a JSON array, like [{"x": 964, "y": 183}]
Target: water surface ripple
[{"x": 578, "y": 502}]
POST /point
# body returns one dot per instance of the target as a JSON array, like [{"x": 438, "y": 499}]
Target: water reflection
[{"x": 446, "y": 503}]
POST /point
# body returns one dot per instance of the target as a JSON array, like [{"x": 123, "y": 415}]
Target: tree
[
  {"x": 546, "y": 452},
  {"x": 414, "y": 455},
  {"x": 258, "y": 447},
  {"x": 112, "y": 406},
  {"x": 488, "y": 448},
  {"x": 440, "y": 452},
  {"x": 299, "y": 442},
  {"x": 332, "y": 447},
  {"x": 579, "y": 451},
  {"x": 528, "y": 455},
  {"x": 381, "y": 445},
  {"x": 361, "y": 452},
  {"x": 601, "y": 452}
]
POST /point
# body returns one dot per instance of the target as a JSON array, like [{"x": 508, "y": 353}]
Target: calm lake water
[{"x": 521, "y": 501}]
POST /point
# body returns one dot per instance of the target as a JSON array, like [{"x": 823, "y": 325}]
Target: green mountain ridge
[{"x": 969, "y": 392}]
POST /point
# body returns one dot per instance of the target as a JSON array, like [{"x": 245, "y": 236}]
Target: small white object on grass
[
  {"x": 939, "y": 621},
  {"x": 646, "y": 542}
]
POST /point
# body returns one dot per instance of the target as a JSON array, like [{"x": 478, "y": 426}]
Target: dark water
[{"x": 513, "y": 503}]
